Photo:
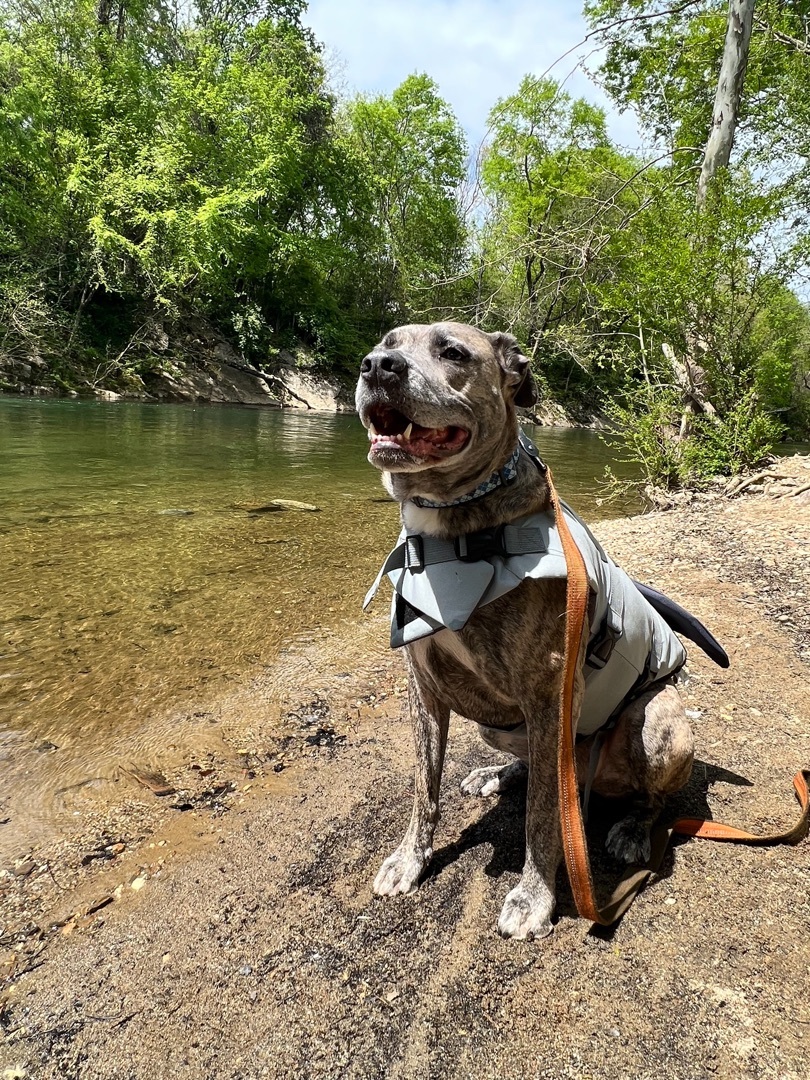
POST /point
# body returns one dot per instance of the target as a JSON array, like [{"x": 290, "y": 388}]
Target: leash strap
[
  {"x": 704, "y": 829},
  {"x": 575, "y": 845}
]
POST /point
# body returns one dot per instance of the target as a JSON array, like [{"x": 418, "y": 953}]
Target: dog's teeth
[
  {"x": 406, "y": 434},
  {"x": 372, "y": 431}
]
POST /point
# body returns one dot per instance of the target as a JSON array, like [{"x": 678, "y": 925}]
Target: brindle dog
[{"x": 439, "y": 403}]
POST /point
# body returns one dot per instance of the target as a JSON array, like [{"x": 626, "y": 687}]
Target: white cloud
[{"x": 476, "y": 50}]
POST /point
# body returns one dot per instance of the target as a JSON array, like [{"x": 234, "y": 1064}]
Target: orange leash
[
  {"x": 716, "y": 830},
  {"x": 575, "y": 845}
]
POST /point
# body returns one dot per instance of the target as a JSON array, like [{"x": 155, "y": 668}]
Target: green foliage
[
  {"x": 741, "y": 439},
  {"x": 662, "y": 60},
  {"x": 559, "y": 204},
  {"x": 715, "y": 286},
  {"x": 722, "y": 273},
  {"x": 203, "y": 168},
  {"x": 646, "y": 424},
  {"x": 413, "y": 152}
]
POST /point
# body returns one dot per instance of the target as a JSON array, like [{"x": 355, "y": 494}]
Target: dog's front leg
[
  {"x": 528, "y": 908},
  {"x": 430, "y": 719}
]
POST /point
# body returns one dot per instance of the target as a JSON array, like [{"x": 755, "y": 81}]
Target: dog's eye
[{"x": 452, "y": 353}]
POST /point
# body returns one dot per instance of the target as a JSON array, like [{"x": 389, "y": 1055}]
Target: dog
[{"x": 440, "y": 405}]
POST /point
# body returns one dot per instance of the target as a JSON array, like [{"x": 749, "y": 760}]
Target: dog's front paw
[
  {"x": 526, "y": 913},
  {"x": 493, "y": 779},
  {"x": 401, "y": 871},
  {"x": 629, "y": 841}
]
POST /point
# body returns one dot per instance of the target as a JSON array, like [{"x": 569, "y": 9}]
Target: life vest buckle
[
  {"x": 414, "y": 552},
  {"x": 475, "y": 546},
  {"x": 602, "y": 649}
]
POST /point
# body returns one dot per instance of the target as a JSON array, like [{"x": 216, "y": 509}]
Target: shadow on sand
[{"x": 501, "y": 829}]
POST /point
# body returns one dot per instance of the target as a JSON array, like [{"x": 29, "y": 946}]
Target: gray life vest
[{"x": 439, "y": 584}]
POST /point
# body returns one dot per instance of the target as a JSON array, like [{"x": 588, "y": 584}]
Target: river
[{"x": 138, "y": 587}]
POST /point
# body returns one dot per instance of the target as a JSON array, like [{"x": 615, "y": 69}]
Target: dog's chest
[{"x": 467, "y": 678}]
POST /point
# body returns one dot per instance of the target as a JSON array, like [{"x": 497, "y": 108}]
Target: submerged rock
[{"x": 275, "y": 505}]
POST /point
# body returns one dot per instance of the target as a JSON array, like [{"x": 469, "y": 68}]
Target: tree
[
  {"x": 156, "y": 169},
  {"x": 412, "y": 150},
  {"x": 562, "y": 216},
  {"x": 660, "y": 60}
]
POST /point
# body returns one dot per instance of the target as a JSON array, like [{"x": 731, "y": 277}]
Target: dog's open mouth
[{"x": 391, "y": 431}]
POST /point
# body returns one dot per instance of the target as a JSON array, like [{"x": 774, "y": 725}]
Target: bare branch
[{"x": 786, "y": 39}]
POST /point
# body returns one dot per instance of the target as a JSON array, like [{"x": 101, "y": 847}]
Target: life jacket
[{"x": 439, "y": 584}]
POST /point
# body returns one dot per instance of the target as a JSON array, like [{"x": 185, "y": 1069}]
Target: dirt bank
[
  {"x": 251, "y": 946},
  {"x": 190, "y": 361},
  {"x": 195, "y": 363}
]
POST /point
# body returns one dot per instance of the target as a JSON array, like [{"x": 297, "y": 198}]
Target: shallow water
[{"x": 137, "y": 587}]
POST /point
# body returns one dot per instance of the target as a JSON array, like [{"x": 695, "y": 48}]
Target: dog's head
[{"x": 442, "y": 398}]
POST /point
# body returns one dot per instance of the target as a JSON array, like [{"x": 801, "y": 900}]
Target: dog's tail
[{"x": 684, "y": 623}]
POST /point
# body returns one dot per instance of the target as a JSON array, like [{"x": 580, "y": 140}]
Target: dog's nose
[{"x": 383, "y": 366}]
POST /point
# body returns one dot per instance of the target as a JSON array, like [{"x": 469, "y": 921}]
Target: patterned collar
[{"x": 500, "y": 478}]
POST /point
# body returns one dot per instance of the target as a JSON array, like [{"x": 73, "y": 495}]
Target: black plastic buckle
[
  {"x": 475, "y": 546},
  {"x": 602, "y": 649}
]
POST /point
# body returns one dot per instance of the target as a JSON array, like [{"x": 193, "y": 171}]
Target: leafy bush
[
  {"x": 741, "y": 440},
  {"x": 644, "y": 427},
  {"x": 647, "y": 428}
]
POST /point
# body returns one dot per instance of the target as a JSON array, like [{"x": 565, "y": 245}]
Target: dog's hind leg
[
  {"x": 494, "y": 779},
  {"x": 629, "y": 840},
  {"x": 645, "y": 758}
]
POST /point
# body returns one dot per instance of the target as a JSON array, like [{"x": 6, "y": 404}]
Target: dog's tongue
[{"x": 427, "y": 442}]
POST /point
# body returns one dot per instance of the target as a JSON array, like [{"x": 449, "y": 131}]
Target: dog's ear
[{"x": 517, "y": 368}]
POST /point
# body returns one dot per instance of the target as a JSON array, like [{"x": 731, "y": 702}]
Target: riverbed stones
[{"x": 276, "y": 506}]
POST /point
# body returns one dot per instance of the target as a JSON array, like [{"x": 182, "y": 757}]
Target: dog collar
[{"x": 500, "y": 478}]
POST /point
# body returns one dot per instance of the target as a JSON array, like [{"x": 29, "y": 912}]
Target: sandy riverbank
[{"x": 251, "y": 945}]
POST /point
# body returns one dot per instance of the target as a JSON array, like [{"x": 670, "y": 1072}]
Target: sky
[{"x": 476, "y": 51}]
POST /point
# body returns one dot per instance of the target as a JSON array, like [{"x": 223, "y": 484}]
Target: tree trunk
[
  {"x": 689, "y": 373},
  {"x": 728, "y": 96},
  {"x": 691, "y": 380}
]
